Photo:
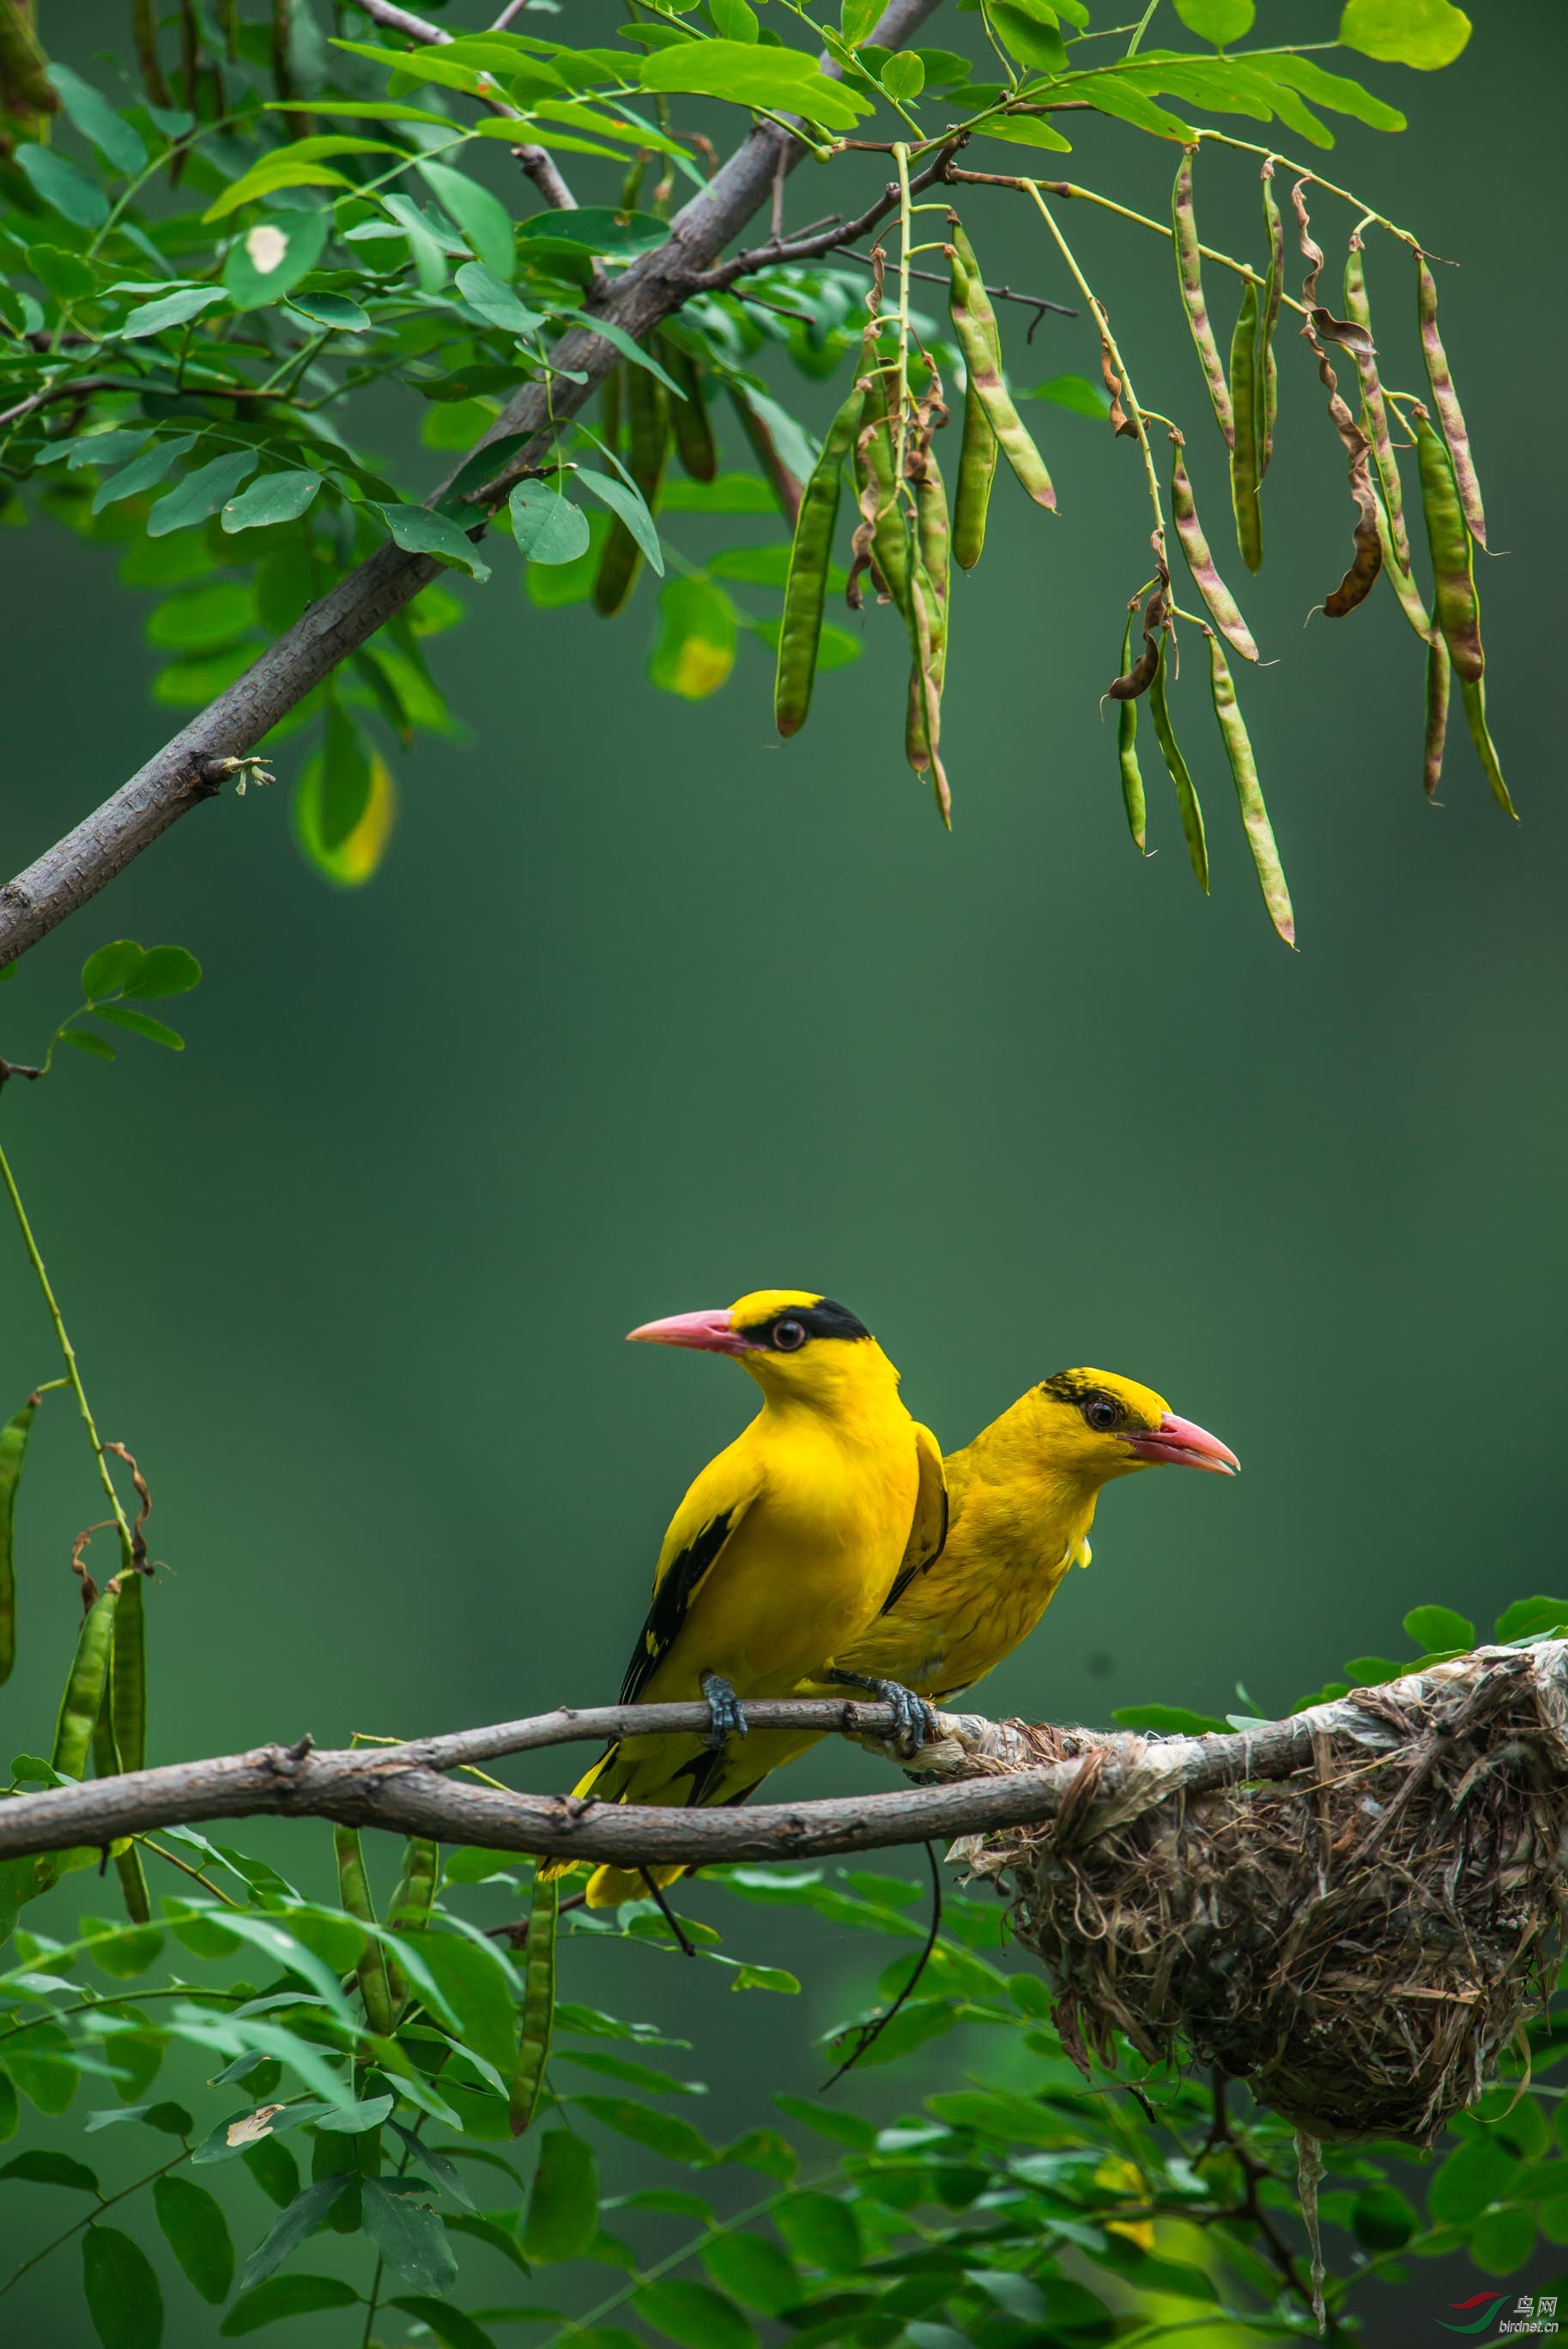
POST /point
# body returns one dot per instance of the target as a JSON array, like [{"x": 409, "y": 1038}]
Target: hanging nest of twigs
[{"x": 1359, "y": 1940}]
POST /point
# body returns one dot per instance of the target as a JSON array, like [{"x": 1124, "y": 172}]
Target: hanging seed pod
[
  {"x": 1249, "y": 793},
  {"x": 1367, "y": 537},
  {"x": 1311, "y": 253},
  {"x": 1439, "y": 669},
  {"x": 1274, "y": 291},
  {"x": 12, "y": 1458},
  {"x": 648, "y": 435},
  {"x": 881, "y": 543},
  {"x": 1137, "y": 678},
  {"x": 1453, "y": 556},
  {"x": 353, "y": 1897},
  {"x": 974, "y": 324},
  {"x": 1402, "y": 582},
  {"x": 1221, "y": 604},
  {"x": 1127, "y": 748},
  {"x": 1247, "y": 403},
  {"x": 930, "y": 579},
  {"x": 1446, "y": 400},
  {"x": 82, "y": 1701},
  {"x": 538, "y": 2002},
  {"x": 1358, "y": 310},
  {"x": 810, "y": 557},
  {"x": 1177, "y": 769},
  {"x": 1473, "y": 693},
  {"x": 128, "y": 1675},
  {"x": 1190, "y": 278},
  {"x": 977, "y": 464},
  {"x": 694, "y": 443}
]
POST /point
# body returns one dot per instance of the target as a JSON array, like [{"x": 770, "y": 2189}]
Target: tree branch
[
  {"x": 980, "y": 1775},
  {"x": 170, "y": 784}
]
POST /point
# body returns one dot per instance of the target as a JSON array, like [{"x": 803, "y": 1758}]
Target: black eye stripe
[{"x": 825, "y": 1319}]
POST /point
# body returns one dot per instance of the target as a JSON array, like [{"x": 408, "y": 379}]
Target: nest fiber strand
[{"x": 1357, "y": 1940}]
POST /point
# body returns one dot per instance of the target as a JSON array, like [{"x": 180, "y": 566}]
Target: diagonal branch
[
  {"x": 978, "y": 1775},
  {"x": 174, "y": 780}
]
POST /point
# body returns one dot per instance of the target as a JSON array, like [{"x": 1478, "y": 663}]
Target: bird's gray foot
[
  {"x": 916, "y": 1720},
  {"x": 726, "y": 1715}
]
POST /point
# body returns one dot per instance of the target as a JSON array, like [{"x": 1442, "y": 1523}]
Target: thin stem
[
  {"x": 1250, "y": 146},
  {"x": 677, "y": 2258},
  {"x": 185, "y": 1868},
  {"x": 69, "y": 1352},
  {"x": 1141, "y": 27},
  {"x": 105, "y": 2202},
  {"x": 1135, "y": 413},
  {"x": 121, "y": 1998},
  {"x": 900, "y": 159},
  {"x": 373, "y": 2302}
]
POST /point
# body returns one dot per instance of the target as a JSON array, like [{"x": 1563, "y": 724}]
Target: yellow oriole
[
  {"x": 1021, "y": 1499},
  {"x": 783, "y": 1550}
]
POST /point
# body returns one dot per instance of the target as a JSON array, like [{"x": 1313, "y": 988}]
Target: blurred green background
[{"x": 645, "y": 1010}]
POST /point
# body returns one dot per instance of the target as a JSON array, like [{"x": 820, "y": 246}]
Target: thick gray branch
[
  {"x": 172, "y": 783},
  {"x": 979, "y": 1776}
]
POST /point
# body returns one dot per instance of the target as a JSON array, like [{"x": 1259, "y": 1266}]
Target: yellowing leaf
[
  {"x": 352, "y": 861},
  {"x": 1425, "y": 33},
  {"x": 695, "y": 649}
]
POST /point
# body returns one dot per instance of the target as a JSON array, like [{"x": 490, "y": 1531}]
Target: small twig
[
  {"x": 780, "y": 251},
  {"x": 1036, "y": 302},
  {"x": 18, "y": 1069},
  {"x": 515, "y": 1930},
  {"x": 868, "y": 2033},
  {"x": 656, "y": 1894}
]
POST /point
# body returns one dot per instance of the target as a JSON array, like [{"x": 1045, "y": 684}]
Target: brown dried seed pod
[
  {"x": 1446, "y": 400},
  {"x": 1141, "y": 676},
  {"x": 1223, "y": 607},
  {"x": 1311, "y": 253},
  {"x": 1439, "y": 672},
  {"x": 1272, "y": 293},
  {"x": 1359, "y": 310},
  {"x": 1359, "y": 580}
]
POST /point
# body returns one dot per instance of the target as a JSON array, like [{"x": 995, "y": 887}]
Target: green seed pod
[
  {"x": 1446, "y": 400},
  {"x": 1249, "y": 793},
  {"x": 694, "y": 443},
  {"x": 1190, "y": 278},
  {"x": 128, "y": 1675},
  {"x": 82, "y": 1701},
  {"x": 1440, "y": 670},
  {"x": 810, "y": 556},
  {"x": 1177, "y": 769},
  {"x": 538, "y": 2003},
  {"x": 882, "y": 537},
  {"x": 13, "y": 1457},
  {"x": 1453, "y": 556},
  {"x": 976, "y": 468},
  {"x": 930, "y": 582},
  {"x": 1222, "y": 607},
  {"x": 1246, "y": 408},
  {"x": 1473, "y": 693},
  {"x": 649, "y": 433},
  {"x": 1402, "y": 582},
  {"x": 354, "y": 1895},
  {"x": 1358, "y": 310},
  {"x": 412, "y": 1902},
  {"x": 974, "y": 324},
  {"x": 1127, "y": 751}
]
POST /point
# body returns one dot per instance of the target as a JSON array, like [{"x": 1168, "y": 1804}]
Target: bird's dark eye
[
  {"x": 787, "y": 1336},
  {"x": 1104, "y": 1413}
]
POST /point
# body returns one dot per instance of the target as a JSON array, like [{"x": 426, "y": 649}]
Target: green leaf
[
  {"x": 272, "y": 2167},
  {"x": 1031, "y": 42},
  {"x": 62, "y": 186},
  {"x": 857, "y": 20},
  {"x": 1425, "y": 33},
  {"x": 1528, "y": 1618},
  {"x": 1220, "y": 21},
  {"x": 274, "y": 254},
  {"x": 297, "y": 2295},
  {"x": 408, "y": 2235},
  {"x": 331, "y": 310},
  {"x": 1503, "y": 2242},
  {"x": 41, "y": 2169},
  {"x": 451, "y": 2328},
  {"x": 1075, "y": 392},
  {"x": 694, "y": 2314},
  {"x": 1336, "y": 91},
  {"x": 628, "y": 504},
  {"x": 420, "y": 531},
  {"x": 164, "y": 970},
  {"x": 755, "y": 2271},
  {"x": 211, "y": 615},
  {"x": 142, "y": 1023},
  {"x": 1438, "y": 1627},
  {"x": 1170, "y": 1719},
  {"x": 822, "y": 2232},
  {"x": 694, "y": 651},
  {"x": 488, "y": 2230},
  {"x": 1482, "y": 2171},
  {"x": 200, "y": 494},
  {"x": 338, "y": 781},
  {"x": 108, "y": 971},
  {"x": 563, "y": 2201},
  {"x": 170, "y": 310},
  {"x": 122, "y": 2292},
  {"x": 271, "y": 498},
  {"x": 595, "y": 228},
  {"x": 1025, "y": 130},
  {"x": 301, "y": 2217},
  {"x": 904, "y": 78},
  {"x": 1371, "y": 1671},
  {"x": 96, "y": 118},
  {"x": 197, "y": 2233},
  {"x": 495, "y": 301},
  {"x": 94, "y": 1047},
  {"x": 629, "y": 349},
  {"x": 661, "y": 2133},
  {"x": 143, "y": 472},
  {"x": 1382, "y": 2219},
  {"x": 829, "y": 2121},
  {"x": 70, "y": 279},
  {"x": 273, "y": 171},
  {"x": 548, "y": 528},
  {"x": 480, "y": 217},
  {"x": 731, "y": 493},
  {"x": 786, "y": 80},
  {"x": 477, "y": 1995}
]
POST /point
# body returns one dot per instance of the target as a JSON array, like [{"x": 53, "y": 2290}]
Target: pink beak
[
  {"x": 1181, "y": 1444},
  {"x": 709, "y": 1332}
]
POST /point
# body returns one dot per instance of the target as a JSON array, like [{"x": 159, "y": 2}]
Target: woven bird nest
[{"x": 1358, "y": 1941}]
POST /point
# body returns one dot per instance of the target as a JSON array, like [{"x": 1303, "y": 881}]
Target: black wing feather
[{"x": 671, "y": 1600}]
